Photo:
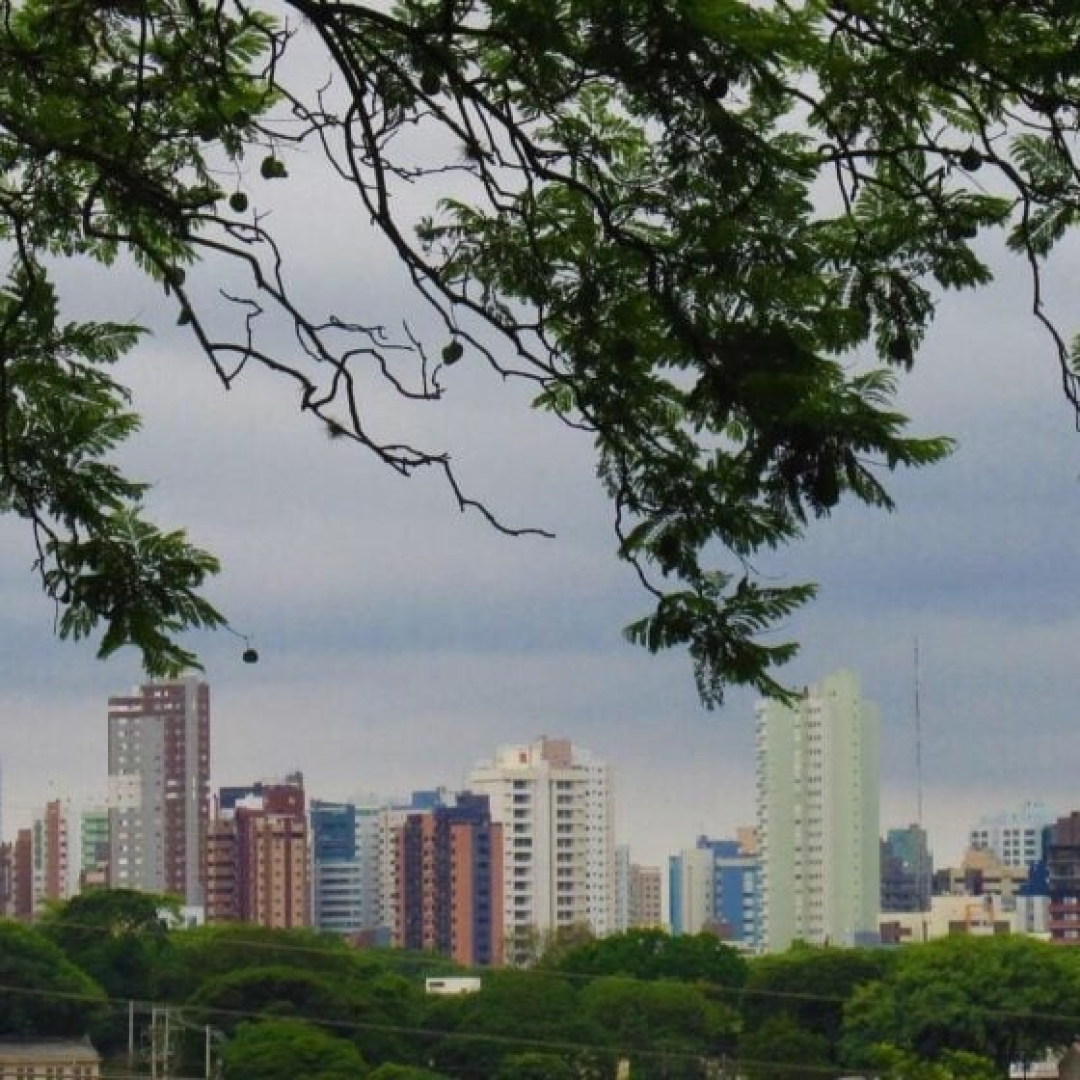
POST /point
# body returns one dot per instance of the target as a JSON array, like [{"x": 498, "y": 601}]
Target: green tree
[
  {"x": 779, "y": 1049},
  {"x": 810, "y": 986},
  {"x": 42, "y": 993},
  {"x": 377, "y": 1011},
  {"x": 227, "y": 1001},
  {"x": 1004, "y": 998},
  {"x": 516, "y": 1012},
  {"x": 121, "y": 938},
  {"x": 681, "y": 223},
  {"x": 288, "y": 1050},
  {"x": 205, "y": 953},
  {"x": 393, "y": 1071},
  {"x": 535, "y": 1066},
  {"x": 655, "y": 954},
  {"x": 666, "y": 1028},
  {"x": 893, "y": 1064}
]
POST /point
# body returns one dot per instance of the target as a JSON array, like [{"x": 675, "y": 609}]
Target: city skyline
[
  {"x": 396, "y": 628},
  {"x": 397, "y": 634},
  {"x": 528, "y": 847},
  {"x": 657, "y": 854}
]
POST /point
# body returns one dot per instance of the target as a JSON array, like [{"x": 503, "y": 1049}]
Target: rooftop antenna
[{"x": 918, "y": 743}]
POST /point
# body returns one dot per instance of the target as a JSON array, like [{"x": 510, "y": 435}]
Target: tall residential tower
[
  {"x": 554, "y": 802},
  {"x": 817, "y": 808},
  {"x": 159, "y": 783}
]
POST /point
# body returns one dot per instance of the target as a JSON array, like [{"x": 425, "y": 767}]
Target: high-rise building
[
  {"x": 22, "y": 875},
  {"x": 92, "y": 847},
  {"x": 1015, "y": 836},
  {"x": 1063, "y": 880},
  {"x": 554, "y": 801},
  {"x": 638, "y": 900},
  {"x": 907, "y": 870},
  {"x": 257, "y": 855},
  {"x": 347, "y": 876},
  {"x": 690, "y": 888},
  {"x": 69, "y": 846},
  {"x": 159, "y": 784},
  {"x": 621, "y": 905},
  {"x": 646, "y": 896},
  {"x": 450, "y": 881},
  {"x": 714, "y": 886},
  {"x": 817, "y": 808},
  {"x": 49, "y": 853}
]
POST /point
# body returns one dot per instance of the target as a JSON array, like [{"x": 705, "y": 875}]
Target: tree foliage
[
  {"x": 655, "y": 954},
  {"x": 43, "y": 994},
  {"x": 119, "y": 936},
  {"x": 808, "y": 986},
  {"x": 208, "y": 953},
  {"x": 781, "y": 1049},
  {"x": 710, "y": 233},
  {"x": 1002, "y": 998},
  {"x": 287, "y": 1049},
  {"x": 517, "y": 1012},
  {"x": 666, "y": 1028},
  {"x": 121, "y": 939}
]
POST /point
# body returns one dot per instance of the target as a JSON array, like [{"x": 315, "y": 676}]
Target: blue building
[
  {"x": 907, "y": 870},
  {"x": 348, "y": 843},
  {"x": 714, "y": 886}
]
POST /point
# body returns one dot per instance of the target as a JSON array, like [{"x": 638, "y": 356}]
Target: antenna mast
[{"x": 918, "y": 743}]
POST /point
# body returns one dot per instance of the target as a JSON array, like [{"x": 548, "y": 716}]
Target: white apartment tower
[
  {"x": 554, "y": 801},
  {"x": 159, "y": 786},
  {"x": 817, "y": 812},
  {"x": 1015, "y": 836}
]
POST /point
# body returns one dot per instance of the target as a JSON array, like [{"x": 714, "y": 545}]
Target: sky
[{"x": 402, "y": 641}]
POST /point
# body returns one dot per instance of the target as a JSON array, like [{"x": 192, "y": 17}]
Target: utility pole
[{"x": 160, "y": 1036}]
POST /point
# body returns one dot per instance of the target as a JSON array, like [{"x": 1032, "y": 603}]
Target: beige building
[
  {"x": 554, "y": 802},
  {"x": 49, "y": 1059},
  {"x": 646, "y": 899},
  {"x": 977, "y": 916},
  {"x": 257, "y": 868},
  {"x": 982, "y": 873}
]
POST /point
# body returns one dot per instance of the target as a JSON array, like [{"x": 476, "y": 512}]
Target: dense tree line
[{"x": 302, "y": 1003}]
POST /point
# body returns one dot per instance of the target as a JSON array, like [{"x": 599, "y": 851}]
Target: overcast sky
[{"x": 401, "y": 641}]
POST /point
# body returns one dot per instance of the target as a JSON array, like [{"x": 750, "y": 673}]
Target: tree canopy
[
  {"x": 285, "y": 1049},
  {"x": 651, "y": 953},
  {"x": 42, "y": 993},
  {"x": 711, "y": 233},
  {"x": 1003, "y": 998}
]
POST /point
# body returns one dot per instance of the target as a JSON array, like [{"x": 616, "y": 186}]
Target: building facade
[
  {"x": 714, "y": 887},
  {"x": 646, "y": 896},
  {"x": 69, "y": 849},
  {"x": 554, "y": 802},
  {"x": 1063, "y": 880},
  {"x": 1015, "y": 836},
  {"x": 347, "y": 875},
  {"x": 450, "y": 880},
  {"x": 159, "y": 787},
  {"x": 907, "y": 870},
  {"x": 48, "y": 1059},
  {"x": 638, "y": 893},
  {"x": 817, "y": 808},
  {"x": 257, "y": 856}
]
